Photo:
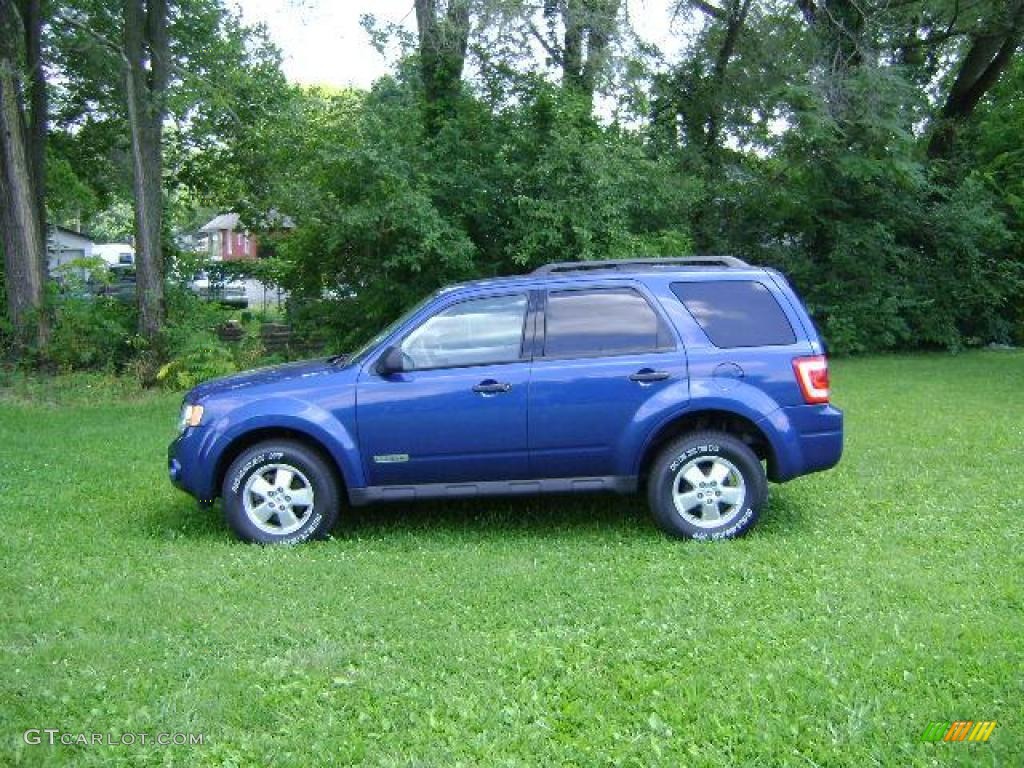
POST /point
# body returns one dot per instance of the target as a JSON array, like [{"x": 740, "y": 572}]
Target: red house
[{"x": 226, "y": 242}]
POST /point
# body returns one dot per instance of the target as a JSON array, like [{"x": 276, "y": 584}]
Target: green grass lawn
[{"x": 869, "y": 601}]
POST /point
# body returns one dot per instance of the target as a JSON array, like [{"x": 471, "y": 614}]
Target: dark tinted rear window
[
  {"x": 736, "y": 313},
  {"x": 601, "y": 322}
]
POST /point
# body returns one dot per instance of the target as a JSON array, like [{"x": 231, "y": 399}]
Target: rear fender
[{"x": 743, "y": 400}]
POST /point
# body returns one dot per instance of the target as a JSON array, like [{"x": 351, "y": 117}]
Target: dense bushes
[
  {"x": 97, "y": 333},
  {"x": 386, "y": 214},
  {"x": 92, "y": 334},
  {"x": 890, "y": 250}
]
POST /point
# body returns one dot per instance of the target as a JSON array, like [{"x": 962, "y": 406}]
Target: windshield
[{"x": 365, "y": 349}]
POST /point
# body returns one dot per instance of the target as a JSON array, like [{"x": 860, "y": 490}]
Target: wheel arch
[
  {"x": 716, "y": 419},
  {"x": 246, "y": 440}
]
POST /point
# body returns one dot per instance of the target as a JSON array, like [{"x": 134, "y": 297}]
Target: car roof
[{"x": 630, "y": 273}]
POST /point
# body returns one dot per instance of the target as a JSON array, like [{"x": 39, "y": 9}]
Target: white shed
[{"x": 64, "y": 245}]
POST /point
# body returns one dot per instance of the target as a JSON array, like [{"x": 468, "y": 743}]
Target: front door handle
[
  {"x": 647, "y": 375},
  {"x": 491, "y": 387}
]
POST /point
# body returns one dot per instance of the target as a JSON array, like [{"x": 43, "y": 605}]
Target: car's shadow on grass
[
  {"x": 571, "y": 515},
  {"x": 184, "y": 518},
  {"x": 541, "y": 516},
  {"x": 781, "y": 517},
  {"x": 554, "y": 516}
]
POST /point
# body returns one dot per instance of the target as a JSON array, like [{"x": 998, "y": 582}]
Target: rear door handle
[
  {"x": 647, "y": 375},
  {"x": 491, "y": 387}
]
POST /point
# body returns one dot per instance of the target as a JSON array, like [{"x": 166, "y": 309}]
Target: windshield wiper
[{"x": 339, "y": 359}]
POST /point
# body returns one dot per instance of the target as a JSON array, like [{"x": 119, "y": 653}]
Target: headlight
[{"x": 191, "y": 415}]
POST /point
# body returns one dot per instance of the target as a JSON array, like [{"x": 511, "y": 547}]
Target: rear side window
[
  {"x": 736, "y": 313},
  {"x": 597, "y": 323}
]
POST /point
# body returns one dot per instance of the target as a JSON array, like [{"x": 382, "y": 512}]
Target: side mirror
[{"x": 390, "y": 362}]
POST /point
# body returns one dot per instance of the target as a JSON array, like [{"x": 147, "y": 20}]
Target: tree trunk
[
  {"x": 590, "y": 27},
  {"x": 22, "y": 236},
  {"x": 145, "y": 38},
  {"x": 736, "y": 17},
  {"x": 443, "y": 41},
  {"x": 38, "y": 103},
  {"x": 988, "y": 56}
]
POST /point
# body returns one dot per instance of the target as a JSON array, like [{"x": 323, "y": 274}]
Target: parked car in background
[
  {"x": 696, "y": 380},
  {"x": 231, "y": 293},
  {"x": 121, "y": 285},
  {"x": 115, "y": 255}
]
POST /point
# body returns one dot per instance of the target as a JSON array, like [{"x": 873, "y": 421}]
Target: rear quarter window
[{"x": 736, "y": 313}]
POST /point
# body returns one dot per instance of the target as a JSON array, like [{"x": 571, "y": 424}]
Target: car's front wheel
[
  {"x": 280, "y": 492},
  {"x": 707, "y": 485}
]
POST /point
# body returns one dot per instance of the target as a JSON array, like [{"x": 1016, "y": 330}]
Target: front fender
[{"x": 279, "y": 413}]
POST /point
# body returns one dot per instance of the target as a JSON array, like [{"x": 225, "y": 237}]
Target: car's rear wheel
[
  {"x": 707, "y": 485},
  {"x": 280, "y": 492}
]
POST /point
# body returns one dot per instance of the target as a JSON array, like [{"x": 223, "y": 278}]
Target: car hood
[{"x": 273, "y": 374}]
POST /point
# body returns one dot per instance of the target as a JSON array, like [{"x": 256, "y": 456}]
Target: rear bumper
[{"x": 810, "y": 440}]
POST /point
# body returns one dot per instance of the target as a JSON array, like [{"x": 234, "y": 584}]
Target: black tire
[
  {"x": 266, "y": 460},
  {"x": 746, "y": 481}
]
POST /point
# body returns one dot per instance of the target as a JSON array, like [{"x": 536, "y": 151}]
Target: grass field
[{"x": 869, "y": 601}]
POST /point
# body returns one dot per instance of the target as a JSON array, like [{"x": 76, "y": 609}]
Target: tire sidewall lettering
[
  {"x": 306, "y": 531},
  {"x": 706, "y": 447},
  {"x": 246, "y": 469},
  {"x": 725, "y": 533},
  {"x": 697, "y": 450},
  {"x": 311, "y": 526}
]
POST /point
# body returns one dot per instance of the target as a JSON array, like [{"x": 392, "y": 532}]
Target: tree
[
  {"x": 149, "y": 97},
  {"x": 697, "y": 91},
  {"x": 588, "y": 28},
  {"x": 443, "y": 36},
  {"x": 21, "y": 173},
  {"x": 991, "y": 47},
  {"x": 146, "y": 75}
]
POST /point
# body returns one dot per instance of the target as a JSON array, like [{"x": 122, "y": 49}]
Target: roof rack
[{"x": 685, "y": 261}]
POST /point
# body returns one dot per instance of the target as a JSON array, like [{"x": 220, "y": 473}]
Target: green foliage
[
  {"x": 888, "y": 252},
  {"x": 198, "y": 357},
  {"x": 792, "y": 134},
  {"x": 94, "y": 333},
  {"x": 189, "y": 347},
  {"x": 97, "y": 333},
  {"x": 384, "y": 215}
]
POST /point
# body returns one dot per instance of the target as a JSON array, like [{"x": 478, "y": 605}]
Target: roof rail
[{"x": 684, "y": 261}]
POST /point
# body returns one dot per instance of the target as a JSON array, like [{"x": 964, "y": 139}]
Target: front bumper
[
  {"x": 186, "y": 468},
  {"x": 175, "y": 469}
]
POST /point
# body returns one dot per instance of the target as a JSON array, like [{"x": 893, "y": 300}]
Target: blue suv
[{"x": 696, "y": 379}]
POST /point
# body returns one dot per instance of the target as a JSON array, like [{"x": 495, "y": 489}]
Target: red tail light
[{"x": 812, "y": 374}]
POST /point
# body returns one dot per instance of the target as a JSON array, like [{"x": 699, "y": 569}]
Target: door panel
[
  {"x": 609, "y": 360},
  {"x": 458, "y": 414},
  {"x": 432, "y": 427},
  {"x": 581, "y": 409}
]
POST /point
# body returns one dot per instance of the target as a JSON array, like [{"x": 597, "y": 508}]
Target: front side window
[
  {"x": 476, "y": 332},
  {"x": 596, "y": 323}
]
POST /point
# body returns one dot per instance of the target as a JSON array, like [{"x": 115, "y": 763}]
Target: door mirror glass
[{"x": 390, "y": 362}]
